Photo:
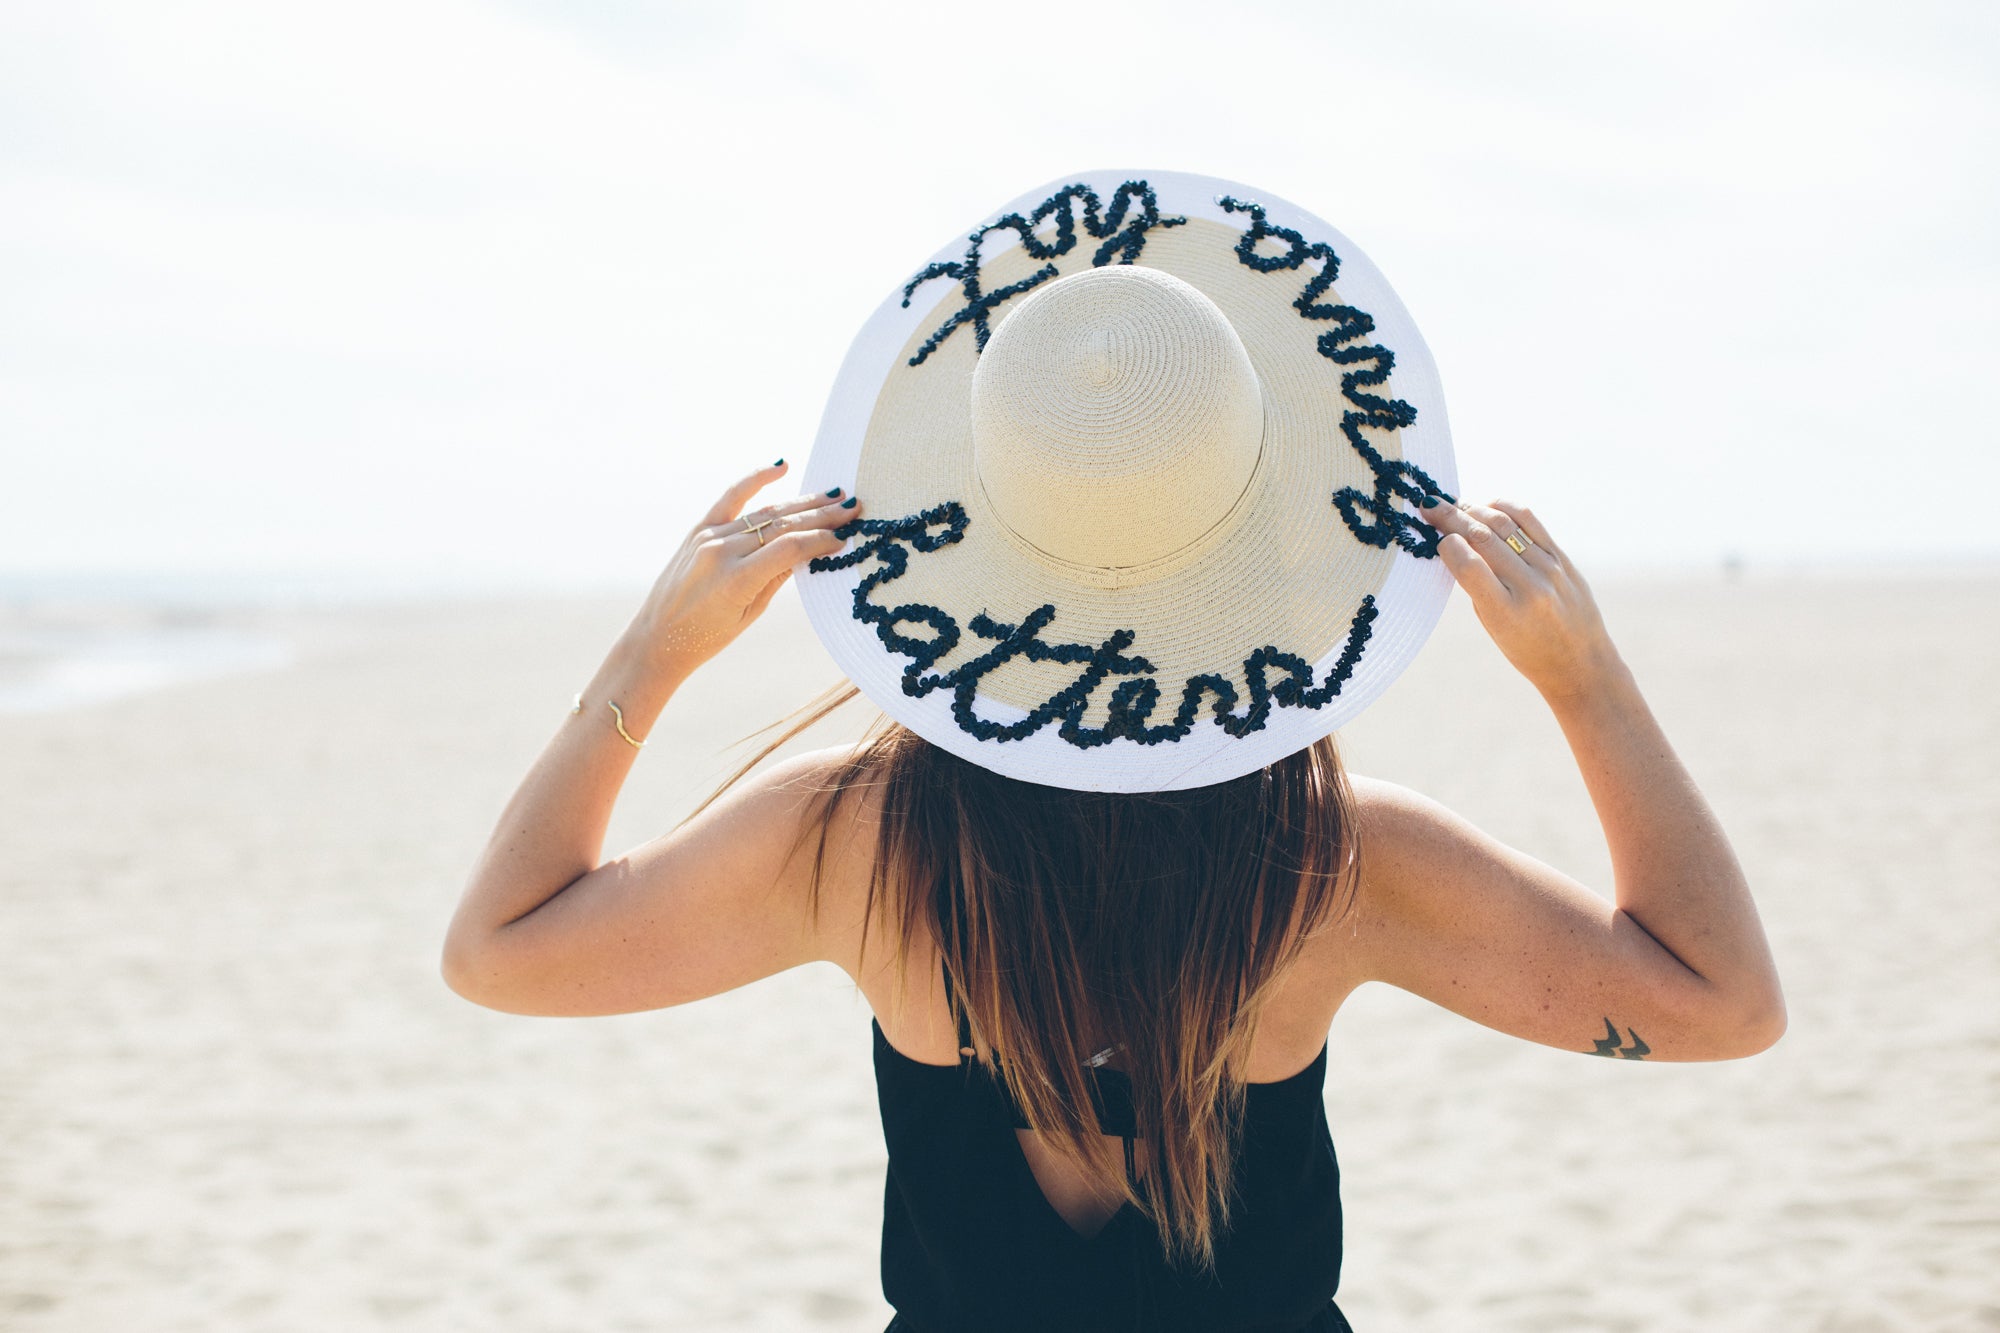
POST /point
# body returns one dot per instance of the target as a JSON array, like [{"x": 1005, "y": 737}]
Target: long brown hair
[{"x": 1153, "y": 923}]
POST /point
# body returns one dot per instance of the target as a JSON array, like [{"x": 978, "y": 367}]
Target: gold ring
[
  {"x": 1514, "y": 540},
  {"x": 757, "y": 528}
]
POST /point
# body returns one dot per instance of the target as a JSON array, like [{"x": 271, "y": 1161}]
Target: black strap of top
[
  {"x": 967, "y": 1054},
  {"x": 950, "y": 911},
  {"x": 965, "y": 1051}
]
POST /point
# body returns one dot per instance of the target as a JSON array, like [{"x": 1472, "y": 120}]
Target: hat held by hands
[{"x": 1141, "y": 459}]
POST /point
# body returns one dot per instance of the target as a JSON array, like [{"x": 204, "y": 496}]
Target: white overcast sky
[{"x": 442, "y": 291}]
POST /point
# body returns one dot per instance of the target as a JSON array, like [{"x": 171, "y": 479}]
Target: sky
[{"x": 441, "y": 293}]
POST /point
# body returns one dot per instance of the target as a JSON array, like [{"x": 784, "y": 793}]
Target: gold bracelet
[{"x": 617, "y": 715}]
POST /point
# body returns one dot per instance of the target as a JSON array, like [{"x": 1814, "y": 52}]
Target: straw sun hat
[{"x": 1141, "y": 459}]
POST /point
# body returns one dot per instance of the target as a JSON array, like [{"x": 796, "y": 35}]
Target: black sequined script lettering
[
  {"x": 1129, "y": 708},
  {"x": 1372, "y": 517},
  {"x": 1121, "y": 227}
]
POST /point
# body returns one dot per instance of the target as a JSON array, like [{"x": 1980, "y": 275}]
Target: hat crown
[{"x": 1116, "y": 417}]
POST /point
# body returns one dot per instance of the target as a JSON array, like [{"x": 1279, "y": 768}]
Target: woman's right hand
[
  {"x": 729, "y": 568},
  {"x": 1533, "y": 603}
]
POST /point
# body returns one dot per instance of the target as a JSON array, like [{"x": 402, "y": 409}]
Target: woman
[{"x": 1105, "y": 889}]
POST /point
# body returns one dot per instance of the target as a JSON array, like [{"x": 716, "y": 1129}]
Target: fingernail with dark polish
[
  {"x": 835, "y": 491},
  {"x": 779, "y": 463},
  {"x": 1428, "y": 501},
  {"x": 849, "y": 502}
]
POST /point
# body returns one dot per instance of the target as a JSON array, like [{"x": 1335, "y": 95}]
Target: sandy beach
[{"x": 235, "y": 1095}]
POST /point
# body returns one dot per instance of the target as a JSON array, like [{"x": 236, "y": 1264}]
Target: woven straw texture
[
  {"x": 1116, "y": 420},
  {"x": 1154, "y": 450}
]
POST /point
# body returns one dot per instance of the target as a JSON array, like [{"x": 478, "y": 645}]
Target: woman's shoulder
[
  {"x": 844, "y": 780},
  {"x": 830, "y": 777},
  {"x": 1389, "y": 827},
  {"x": 829, "y": 802},
  {"x": 1383, "y": 806},
  {"x": 1419, "y": 856},
  {"x": 1400, "y": 834}
]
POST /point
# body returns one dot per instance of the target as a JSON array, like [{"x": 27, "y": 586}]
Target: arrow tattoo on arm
[{"x": 1613, "y": 1046}]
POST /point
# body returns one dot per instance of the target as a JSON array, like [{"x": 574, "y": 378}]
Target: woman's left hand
[
  {"x": 729, "y": 568},
  {"x": 1529, "y": 596}
]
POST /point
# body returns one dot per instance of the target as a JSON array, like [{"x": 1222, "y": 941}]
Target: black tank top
[{"x": 970, "y": 1244}]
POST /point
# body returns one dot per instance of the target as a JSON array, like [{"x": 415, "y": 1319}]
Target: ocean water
[
  {"x": 68, "y": 640},
  {"x": 48, "y": 667}
]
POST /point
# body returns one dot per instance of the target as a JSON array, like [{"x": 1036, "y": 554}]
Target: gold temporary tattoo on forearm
[{"x": 1613, "y": 1045}]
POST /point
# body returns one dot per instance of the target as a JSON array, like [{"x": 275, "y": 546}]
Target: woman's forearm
[
  {"x": 1675, "y": 873},
  {"x": 552, "y": 830}
]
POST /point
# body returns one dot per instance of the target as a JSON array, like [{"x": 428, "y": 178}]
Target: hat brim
[{"x": 1291, "y": 580}]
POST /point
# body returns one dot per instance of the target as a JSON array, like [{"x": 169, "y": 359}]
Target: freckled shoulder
[
  {"x": 1387, "y": 830},
  {"x": 834, "y": 873}
]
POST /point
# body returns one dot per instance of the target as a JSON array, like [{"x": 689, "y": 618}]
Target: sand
[{"x": 235, "y": 1095}]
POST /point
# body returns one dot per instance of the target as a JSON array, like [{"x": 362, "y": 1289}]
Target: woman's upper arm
[
  {"x": 722, "y": 901},
  {"x": 1452, "y": 914}
]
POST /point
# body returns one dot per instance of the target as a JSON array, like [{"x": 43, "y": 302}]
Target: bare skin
[{"x": 1676, "y": 968}]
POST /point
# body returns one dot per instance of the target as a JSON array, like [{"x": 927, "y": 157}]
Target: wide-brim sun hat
[{"x": 1142, "y": 456}]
